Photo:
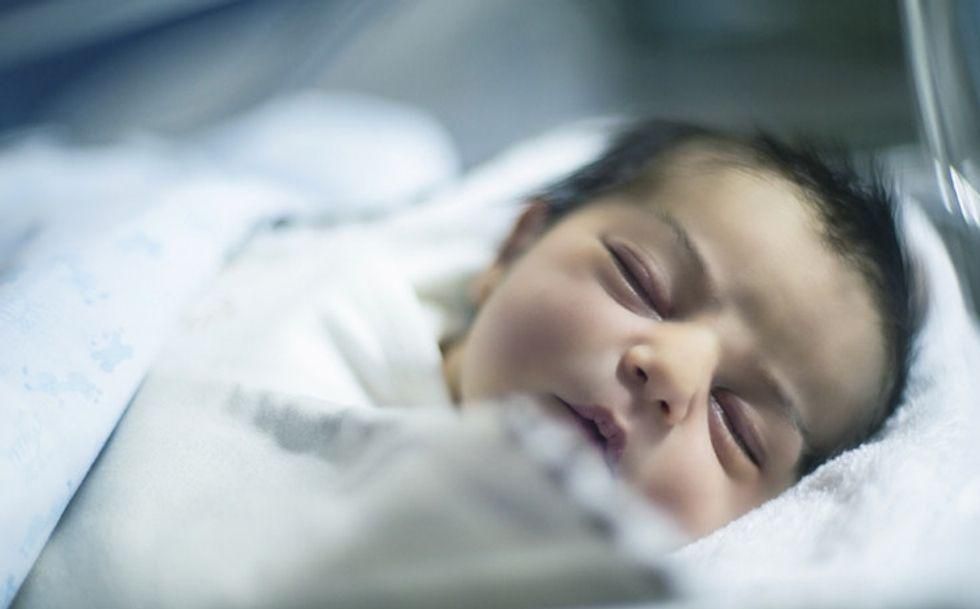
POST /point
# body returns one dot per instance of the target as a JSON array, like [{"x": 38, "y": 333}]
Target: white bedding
[
  {"x": 102, "y": 248},
  {"x": 893, "y": 523}
]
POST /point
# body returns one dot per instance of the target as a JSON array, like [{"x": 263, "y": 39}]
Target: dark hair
[{"x": 859, "y": 218}]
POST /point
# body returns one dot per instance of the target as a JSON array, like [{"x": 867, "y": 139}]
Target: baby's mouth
[{"x": 601, "y": 429}]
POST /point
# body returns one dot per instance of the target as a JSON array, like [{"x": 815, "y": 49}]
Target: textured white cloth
[{"x": 325, "y": 314}]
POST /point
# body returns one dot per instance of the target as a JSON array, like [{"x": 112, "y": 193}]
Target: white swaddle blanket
[{"x": 218, "y": 490}]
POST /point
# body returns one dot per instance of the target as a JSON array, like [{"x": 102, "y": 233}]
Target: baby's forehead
[
  {"x": 716, "y": 179},
  {"x": 694, "y": 163}
]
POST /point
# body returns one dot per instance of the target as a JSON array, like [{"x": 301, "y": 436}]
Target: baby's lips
[{"x": 610, "y": 428}]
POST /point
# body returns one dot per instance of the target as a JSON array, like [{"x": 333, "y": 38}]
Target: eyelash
[
  {"x": 624, "y": 268},
  {"x": 733, "y": 430}
]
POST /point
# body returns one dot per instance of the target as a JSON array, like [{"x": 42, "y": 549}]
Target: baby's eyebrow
[
  {"x": 687, "y": 245},
  {"x": 787, "y": 406}
]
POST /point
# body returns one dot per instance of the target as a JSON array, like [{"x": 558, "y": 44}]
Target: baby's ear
[{"x": 529, "y": 226}]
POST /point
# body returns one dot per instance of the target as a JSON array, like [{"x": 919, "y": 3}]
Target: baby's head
[{"x": 722, "y": 314}]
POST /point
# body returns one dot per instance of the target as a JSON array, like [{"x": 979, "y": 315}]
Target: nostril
[
  {"x": 664, "y": 407},
  {"x": 640, "y": 374}
]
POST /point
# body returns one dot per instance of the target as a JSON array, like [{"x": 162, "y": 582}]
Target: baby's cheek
[
  {"x": 552, "y": 324},
  {"x": 533, "y": 332}
]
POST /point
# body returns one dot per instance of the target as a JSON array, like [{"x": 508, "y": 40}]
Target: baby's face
[{"x": 703, "y": 336}]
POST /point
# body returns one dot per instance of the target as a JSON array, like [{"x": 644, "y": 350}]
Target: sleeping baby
[{"x": 719, "y": 314}]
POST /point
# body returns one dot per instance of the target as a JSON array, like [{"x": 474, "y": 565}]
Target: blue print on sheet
[
  {"x": 73, "y": 382},
  {"x": 111, "y": 351}
]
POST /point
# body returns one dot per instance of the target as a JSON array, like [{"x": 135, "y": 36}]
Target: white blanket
[
  {"x": 100, "y": 249},
  {"x": 893, "y": 523}
]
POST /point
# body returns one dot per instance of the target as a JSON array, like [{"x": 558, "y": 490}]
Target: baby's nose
[{"x": 671, "y": 369}]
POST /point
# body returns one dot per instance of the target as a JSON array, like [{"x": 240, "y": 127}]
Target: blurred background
[
  {"x": 491, "y": 72},
  {"x": 870, "y": 75}
]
